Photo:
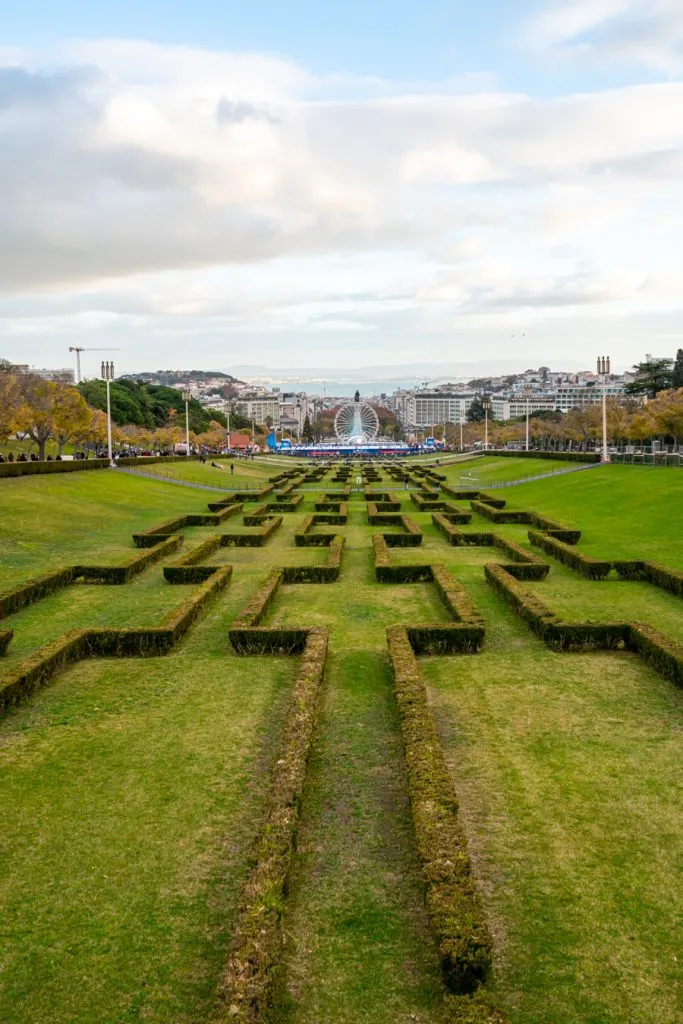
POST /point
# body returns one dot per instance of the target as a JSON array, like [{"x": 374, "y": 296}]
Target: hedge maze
[{"x": 355, "y": 537}]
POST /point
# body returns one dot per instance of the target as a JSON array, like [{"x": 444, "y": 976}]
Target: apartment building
[{"x": 260, "y": 410}]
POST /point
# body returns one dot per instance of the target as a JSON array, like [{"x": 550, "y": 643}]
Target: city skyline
[{"x": 344, "y": 188}]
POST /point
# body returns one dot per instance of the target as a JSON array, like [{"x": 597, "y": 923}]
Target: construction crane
[{"x": 77, "y": 349}]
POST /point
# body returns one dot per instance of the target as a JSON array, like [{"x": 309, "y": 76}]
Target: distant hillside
[
  {"x": 149, "y": 405},
  {"x": 171, "y": 377}
]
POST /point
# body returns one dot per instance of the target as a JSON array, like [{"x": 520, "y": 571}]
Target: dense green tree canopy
[{"x": 149, "y": 405}]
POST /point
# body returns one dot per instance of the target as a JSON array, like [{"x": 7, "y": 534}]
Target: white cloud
[
  {"x": 168, "y": 193},
  {"x": 646, "y": 32}
]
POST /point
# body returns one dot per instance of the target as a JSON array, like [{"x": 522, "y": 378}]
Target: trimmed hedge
[
  {"x": 662, "y": 652},
  {"x": 497, "y": 515},
  {"x": 593, "y": 568},
  {"x": 557, "y": 530},
  {"x": 117, "y": 574},
  {"x": 319, "y": 573},
  {"x": 663, "y": 577},
  {"x": 5, "y": 639},
  {"x": 34, "y": 589},
  {"x": 279, "y": 505},
  {"x": 385, "y": 572},
  {"x": 34, "y": 671},
  {"x": 260, "y": 602},
  {"x": 246, "y": 990},
  {"x": 256, "y": 539},
  {"x": 41, "y": 586},
  {"x": 410, "y": 538},
  {"x": 187, "y": 569},
  {"x": 453, "y": 904}
]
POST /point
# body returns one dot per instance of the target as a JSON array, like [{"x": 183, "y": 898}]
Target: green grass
[
  {"x": 132, "y": 789},
  {"x": 245, "y": 473},
  {"x": 622, "y": 511},
  {"x": 566, "y": 769},
  {"x": 131, "y": 795},
  {"x": 489, "y": 470}
]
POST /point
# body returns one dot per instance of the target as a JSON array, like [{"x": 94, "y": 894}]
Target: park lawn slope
[
  {"x": 131, "y": 797},
  {"x": 566, "y": 768},
  {"x": 622, "y": 511},
  {"x": 74, "y": 518}
]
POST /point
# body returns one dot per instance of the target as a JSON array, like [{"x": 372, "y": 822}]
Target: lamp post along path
[
  {"x": 486, "y": 403},
  {"x": 186, "y": 398},
  {"x": 604, "y": 371},
  {"x": 107, "y": 374}
]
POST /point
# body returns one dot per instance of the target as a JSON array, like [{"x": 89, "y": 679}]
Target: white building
[
  {"x": 259, "y": 410},
  {"x": 428, "y": 408}
]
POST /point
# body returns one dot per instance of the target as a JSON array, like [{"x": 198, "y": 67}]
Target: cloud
[
  {"x": 646, "y": 32},
  {"x": 169, "y": 192}
]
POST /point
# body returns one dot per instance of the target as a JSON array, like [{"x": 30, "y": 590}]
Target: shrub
[
  {"x": 123, "y": 573},
  {"x": 260, "y": 601},
  {"x": 569, "y": 556},
  {"x": 662, "y": 652},
  {"x": 34, "y": 589},
  {"x": 246, "y": 989},
  {"x": 557, "y": 530},
  {"x": 156, "y": 534},
  {"x": 253, "y": 540},
  {"x": 52, "y": 659},
  {"x": 187, "y": 569},
  {"x": 452, "y": 902},
  {"x": 497, "y": 515},
  {"x": 664, "y": 578}
]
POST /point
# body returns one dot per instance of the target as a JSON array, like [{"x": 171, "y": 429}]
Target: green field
[{"x": 133, "y": 788}]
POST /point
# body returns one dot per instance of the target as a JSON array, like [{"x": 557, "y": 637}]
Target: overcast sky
[{"x": 341, "y": 183}]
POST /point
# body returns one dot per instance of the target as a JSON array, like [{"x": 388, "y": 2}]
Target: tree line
[{"x": 144, "y": 416}]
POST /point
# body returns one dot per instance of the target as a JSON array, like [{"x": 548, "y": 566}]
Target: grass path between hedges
[{"x": 359, "y": 946}]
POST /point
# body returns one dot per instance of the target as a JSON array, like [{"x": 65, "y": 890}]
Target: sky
[{"x": 292, "y": 183}]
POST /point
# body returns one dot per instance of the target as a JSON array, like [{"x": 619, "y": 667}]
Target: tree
[
  {"x": 677, "y": 375},
  {"x": 70, "y": 415},
  {"x": 667, "y": 410},
  {"x": 651, "y": 376},
  {"x": 307, "y": 431},
  {"x": 37, "y": 412},
  {"x": 10, "y": 404},
  {"x": 476, "y": 412}
]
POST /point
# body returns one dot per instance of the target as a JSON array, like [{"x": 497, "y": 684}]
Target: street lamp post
[
  {"x": 107, "y": 374},
  {"x": 186, "y": 399},
  {"x": 527, "y": 395},
  {"x": 486, "y": 404},
  {"x": 227, "y": 417},
  {"x": 604, "y": 371}
]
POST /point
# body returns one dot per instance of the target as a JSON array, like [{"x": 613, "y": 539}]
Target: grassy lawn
[
  {"x": 623, "y": 511},
  {"x": 566, "y": 767},
  {"x": 489, "y": 470},
  {"x": 73, "y": 517},
  {"x": 245, "y": 473},
  {"x": 132, "y": 789},
  {"x": 131, "y": 795}
]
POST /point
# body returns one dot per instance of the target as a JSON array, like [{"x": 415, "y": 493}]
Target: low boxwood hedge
[
  {"x": 34, "y": 671},
  {"x": 246, "y": 990},
  {"x": 5, "y": 640},
  {"x": 453, "y": 904},
  {"x": 256, "y": 539},
  {"x": 498, "y": 515},
  {"x": 593, "y": 568}
]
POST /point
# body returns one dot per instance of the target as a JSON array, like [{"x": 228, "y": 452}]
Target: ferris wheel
[{"x": 356, "y": 422}]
